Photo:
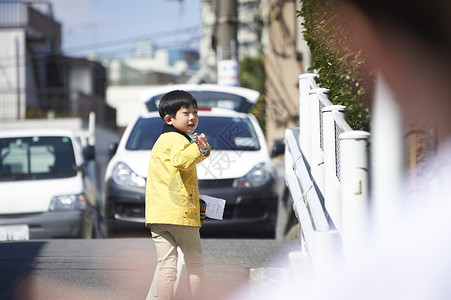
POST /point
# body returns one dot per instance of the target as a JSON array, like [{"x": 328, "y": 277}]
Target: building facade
[
  {"x": 285, "y": 58},
  {"x": 152, "y": 66},
  {"x": 30, "y": 40},
  {"x": 36, "y": 79}
]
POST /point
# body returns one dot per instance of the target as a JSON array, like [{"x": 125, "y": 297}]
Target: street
[
  {"x": 124, "y": 268},
  {"x": 322, "y": 126}
]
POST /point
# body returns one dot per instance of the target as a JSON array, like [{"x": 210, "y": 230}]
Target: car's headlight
[
  {"x": 123, "y": 175},
  {"x": 258, "y": 176},
  {"x": 68, "y": 202}
]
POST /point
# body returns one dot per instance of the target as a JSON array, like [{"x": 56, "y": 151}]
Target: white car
[
  {"x": 238, "y": 170},
  {"x": 46, "y": 185}
]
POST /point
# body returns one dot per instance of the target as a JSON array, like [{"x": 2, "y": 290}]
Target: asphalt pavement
[{"x": 124, "y": 268}]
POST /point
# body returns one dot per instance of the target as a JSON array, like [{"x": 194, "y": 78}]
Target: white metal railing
[{"x": 326, "y": 165}]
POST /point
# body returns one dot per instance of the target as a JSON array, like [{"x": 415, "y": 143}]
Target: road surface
[{"x": 124, "y": 268}]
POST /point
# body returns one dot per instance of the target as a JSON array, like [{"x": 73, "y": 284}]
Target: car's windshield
[
  {"x": 144, "y": 134},
  {"x": 223, "y": 133},
  {"x": 210, "y": 99},
  {"x": 229, "y": 133},
  {"x": 37, "y": 157}
]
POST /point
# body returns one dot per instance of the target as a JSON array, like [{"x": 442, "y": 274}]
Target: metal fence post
[
  {"x": 305, "y": 81},
  {"x": 331, "y": 186},
  {"x": 316, "y": 155},
  {"x": 355, "y": 191}
]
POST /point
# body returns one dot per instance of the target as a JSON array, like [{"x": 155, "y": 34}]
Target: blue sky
[{"x": 112, "y": 27}]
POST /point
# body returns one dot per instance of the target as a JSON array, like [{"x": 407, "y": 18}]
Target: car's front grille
[
  {"x": 228, "y": 212},
  {"x": 216, "y": 183},
  {"x": 244, "y": 211}
]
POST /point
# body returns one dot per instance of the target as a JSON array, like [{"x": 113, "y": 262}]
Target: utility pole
[
  {"x": 226, "y": 41},
  {"x": 227, "y": 28}
]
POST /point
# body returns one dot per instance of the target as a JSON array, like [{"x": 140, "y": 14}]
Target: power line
[
  {"x": 172, "y": 45},
  {"x": 104, "y": 54},
  {"x": 133, "y": 39},
  {"x": 89, "y": 47}
]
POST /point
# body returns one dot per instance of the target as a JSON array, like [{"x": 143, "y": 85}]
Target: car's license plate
[{"x": 14, "y": 233}]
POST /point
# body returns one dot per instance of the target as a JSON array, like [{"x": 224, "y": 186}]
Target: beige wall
[{"x": 282, "y": 70}]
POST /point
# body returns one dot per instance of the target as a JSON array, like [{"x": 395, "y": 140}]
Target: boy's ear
[{"x": 168, "y": 119}]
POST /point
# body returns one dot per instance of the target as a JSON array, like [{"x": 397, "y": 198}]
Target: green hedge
[
  {"x": 341, "y": 70},
  {"x": 252, "y": 76}
]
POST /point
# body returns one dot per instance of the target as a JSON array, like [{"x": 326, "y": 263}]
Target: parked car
[
  {"x": 47, "y": 185},
  {"x": 238, "y": 170}
]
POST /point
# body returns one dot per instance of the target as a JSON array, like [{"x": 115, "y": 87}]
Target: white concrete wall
[
  {"x": 64, "y": 123},
  {"x": 12, "y": 41},
  {"x": 127, "y": 101}
]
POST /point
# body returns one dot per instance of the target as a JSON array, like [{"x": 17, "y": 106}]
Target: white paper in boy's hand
[{"x": 215, "y": 207}]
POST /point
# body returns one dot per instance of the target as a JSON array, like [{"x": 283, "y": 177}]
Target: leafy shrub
[
  {"x": 252, "y": 76},
  {"x": 341, "y": 70}
]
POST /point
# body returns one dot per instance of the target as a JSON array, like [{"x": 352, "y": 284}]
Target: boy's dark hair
[{"x": 171, "y": 102}]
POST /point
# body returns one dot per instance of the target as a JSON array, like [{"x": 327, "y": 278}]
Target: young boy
[{"x": 172, "y": 195}]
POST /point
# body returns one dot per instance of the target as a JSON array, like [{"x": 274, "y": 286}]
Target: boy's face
[{"x": 185, "y": 120}]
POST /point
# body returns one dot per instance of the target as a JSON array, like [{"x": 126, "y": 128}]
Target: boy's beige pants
[{"x": 167, "y": 238}]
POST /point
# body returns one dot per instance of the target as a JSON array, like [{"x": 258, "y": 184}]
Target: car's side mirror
[
  {"x": 89, "y": 153},
  {"x": 112, "y": 148},
  {"x": 278, "y": 149}
]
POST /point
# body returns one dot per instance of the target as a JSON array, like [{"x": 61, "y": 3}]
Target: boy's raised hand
[{"x": 201, "y": 141}]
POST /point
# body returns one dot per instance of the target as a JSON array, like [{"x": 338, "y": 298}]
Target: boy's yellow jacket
[{"x": 172, "y": 193}]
